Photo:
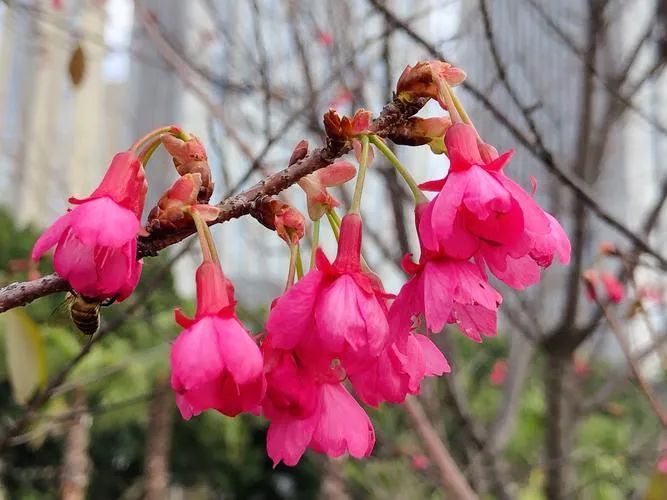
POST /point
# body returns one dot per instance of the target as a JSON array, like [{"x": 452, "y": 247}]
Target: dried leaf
[
  {"x": 77, "y": 65},
  {"x": 26, "y": 360}
]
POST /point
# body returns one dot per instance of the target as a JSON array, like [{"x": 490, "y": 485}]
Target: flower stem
[
  {"x": 407, "y": 177},
  {"x": 205, "y": 238},
  {"x": 145, "y": 155},
  {"x": 293, "y": 251},
  {"x": 156, "y": 133},
  {"x": 299, "y": 262},
  {"x": 334, "y": 222},
  {"x": 361, "y": 176},
  {"x": 315, "y": 242}
]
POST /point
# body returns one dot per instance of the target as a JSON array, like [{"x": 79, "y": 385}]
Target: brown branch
[
  {"x": 392, "y": 116},
  {"x": 451, "y": 478},
  {"x": 22, "y": 293},
  {"x": 644, "y": 386}
]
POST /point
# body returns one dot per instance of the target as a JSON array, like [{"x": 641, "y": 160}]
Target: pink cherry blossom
[
  {"x": 480, "y": 212},
  {"x": 96, "y": 242},
  {"x": 314, "y": 306},
  {"x": 446, "y": 291},
  {"x": 420, "y": 462},
  {"x": 304, "y": 403},
  {"x": 498, "y": 373},
  {"x": 399, "y": 370},
  {"x": 215, "y": 364},
  {"x": 614, "y": 288},
  {"x": 662, "y": 465}
]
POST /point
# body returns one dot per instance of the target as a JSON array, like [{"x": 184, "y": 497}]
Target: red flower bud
[
  {"x": 170, "y": 213},
  {"x": 286, "y": 220},
  {"x": 423, "y": 79},
  {"x": 190, "y": 158}
]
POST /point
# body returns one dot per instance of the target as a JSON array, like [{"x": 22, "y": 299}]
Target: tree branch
[
  {"x": 451, "y": 478},
  {"x": 393, "y": 115}
]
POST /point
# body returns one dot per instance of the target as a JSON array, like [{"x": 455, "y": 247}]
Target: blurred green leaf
[{"x": 26, "y": 359}]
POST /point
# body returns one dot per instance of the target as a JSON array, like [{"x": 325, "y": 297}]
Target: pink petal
[
  {"x": 336, "y": 174},
  {"x": 472, "y": 285},
  {"x": 343, "y": 425},
  {"x": 438, "y": 288},
  {"x": 120, "y": 224},
  {"x": 408, "y": 302},
  {"x": 484, "y": 195},
  {"x": 461, "y": 142},
  {"x": 288, "y": 438},
  {"x": 518, "y": 273},
  {"x": 196, "y": 357},
  {"x": 114, "y": 268},
  {"x": 338, "y": 317},
  {"x": 75, "y": 262},
  {"x": 535, "y": 218},
  {"x": 240, "y": 354},
  {"x": 51, "y": 236},
  {"x": 475, "y": 321},
  {"x": 292, "y": 314},
  {"x": 435, "y": 362}
]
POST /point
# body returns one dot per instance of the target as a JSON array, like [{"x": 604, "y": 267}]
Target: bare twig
[
  {"x": 451, "y": 477},
  {"x": 645, "y": 387}
]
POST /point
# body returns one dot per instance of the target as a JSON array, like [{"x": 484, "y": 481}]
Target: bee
[{"x": 85, "y": 312}]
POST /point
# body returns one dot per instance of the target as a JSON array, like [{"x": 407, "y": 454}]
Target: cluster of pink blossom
[{"x": 336, "y": 329}]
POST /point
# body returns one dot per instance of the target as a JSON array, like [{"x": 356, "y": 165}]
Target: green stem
[
  {"x": 156, "y": 133},
  {"x": 205, "y": 238},
  {"x": 334, "y": 223},
  {"x": 293, "y": 250},
  {"x": 361, "y": 176},
  {"x": 145, "y": 155},
  {"x": 299, "y": 262},
  {"x": 316, "y": 242},
  {"x": 407, "y": 177}
]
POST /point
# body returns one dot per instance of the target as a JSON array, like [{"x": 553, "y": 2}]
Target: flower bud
[{"x": 190, "y": 158}]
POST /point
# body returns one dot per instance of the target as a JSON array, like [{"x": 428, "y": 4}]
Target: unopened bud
[{"x": 190, "y": 158}]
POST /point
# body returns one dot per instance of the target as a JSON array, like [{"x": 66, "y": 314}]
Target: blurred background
[{"x": 564, "y": 403}]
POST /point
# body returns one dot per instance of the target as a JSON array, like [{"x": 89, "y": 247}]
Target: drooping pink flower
[
  {"x": 308, "y": 407},
  {"x": 614, "y": 288},
  {"x": 581, "y": 367},
  {"x": 337, "y": 304},
  {"x": 399, "y": 370},
  {"x": 420, "y": 462},
  {"x": 215, "y": 364},
  {"x": 662, "y": 465},
  {"x": 325, "y": 38},
  {"x": 498, "y": 373},
  {"x": 96, "y": 242},
  {"x": 479, "y": 212}
]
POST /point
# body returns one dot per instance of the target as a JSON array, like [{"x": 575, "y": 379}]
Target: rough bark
[
  {"x": 158, "y": 442},
  {"x": 559, "y": 425},
  {"x": 75, "y": 474}
]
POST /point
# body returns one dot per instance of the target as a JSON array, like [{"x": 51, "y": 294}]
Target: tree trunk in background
[
  {"x": 559, "y": 425},
  {"x": 333, "y": 481},
  {"x": 158, "y": 442},
  {"x": 75, "y": 473}
]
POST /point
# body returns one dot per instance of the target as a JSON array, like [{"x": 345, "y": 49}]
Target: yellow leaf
[
  {"x": 26, "y": 360},
  {"x": 657, "y": 486},
  {"x": 77, "y": 65}
]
